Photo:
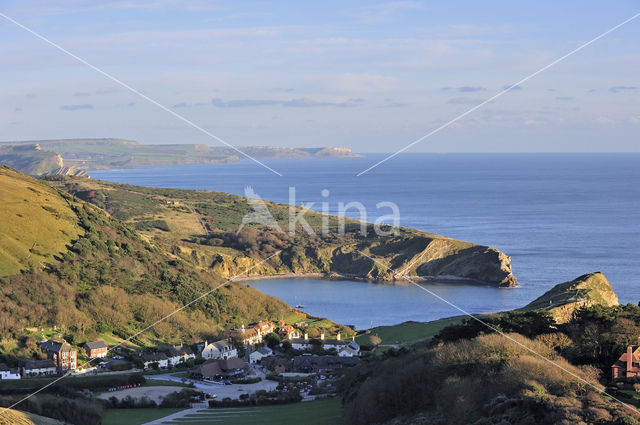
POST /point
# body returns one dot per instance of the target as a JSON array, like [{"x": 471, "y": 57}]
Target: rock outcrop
[
  {"x": 563, "y": 299},
  {"x": 33, "y": 160}
]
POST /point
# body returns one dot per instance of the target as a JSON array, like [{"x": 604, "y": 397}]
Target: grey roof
[
  {"x": 39, "y": 364},
  {"x": 180, "y": 350},
  {"x": 56, "y": 347},
  {"x": 265, "y": 351},
  {"x": 154, "y": 357},
  {"x": 216, "y": 367},
  {"x": 96, "y": 345},
  {"x": 222, "y": 345},
  {"x": 323, "y": 362}
]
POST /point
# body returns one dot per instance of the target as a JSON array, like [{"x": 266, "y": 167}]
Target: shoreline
[{"x": 449, "y": 280}]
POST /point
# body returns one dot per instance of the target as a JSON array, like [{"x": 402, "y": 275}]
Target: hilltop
[
  {"x": 565, "y": 298},
  {"x": 93, "y": 154},
  {"x": 202, "y": 227}
]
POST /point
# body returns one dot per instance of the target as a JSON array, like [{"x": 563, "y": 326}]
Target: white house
[
  {"x": 150, "y": 359},
  {"x": 343, "y": 348},
  {"x": 222, "y": 349},
  {"x": 257, "y": 355},
  {"x": 39, "y": 367},
  {"x": 179, "y": 354},
  {"x": 6, "y": 373},
  {"x": 350, "y": 350}
]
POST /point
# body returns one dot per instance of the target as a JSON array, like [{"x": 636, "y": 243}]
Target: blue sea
[{"x": 557, "y": 215}]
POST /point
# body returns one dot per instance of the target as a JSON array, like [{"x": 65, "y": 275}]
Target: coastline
[{"x": 333, "y": 276}]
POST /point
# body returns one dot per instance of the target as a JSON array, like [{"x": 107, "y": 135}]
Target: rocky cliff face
[
  {"x": 563, "y": 299},
  {"x": 33, "y": 160}
]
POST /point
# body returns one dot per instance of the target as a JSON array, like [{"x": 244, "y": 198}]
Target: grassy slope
[
  {"x": 110, "y": 280},
  {"x": 37, "y": 222},
  {"x": 200, "y": 226},
  {"x": 406, "y": 333},
  {"x": 30, "y": 159},
  {"x": 564, "y": 298},
  {"x": 320, "y": 412},
  {"x": 16, "y": 417},
  {"x": 135, "y": 416}
]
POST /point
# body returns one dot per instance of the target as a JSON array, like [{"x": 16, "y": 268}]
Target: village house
[
  {"x": 245, "y": 336},
  {"x": 627, "y": 367},
  {"x": 264, "y": 327},
  {"x": 342, "y": 348},
  {"x": 222, "y": 349},
  {"x": 179, "y": 354},
  {"x": 39, "y": 367},
  {"x": 62, "y": 353},
  {"x": 277, "y": 364},
  {"x": 96, "y": 349},
  {"x": 7, "y": 373},
  {"x": 155, "y": 361},
  {"x": 220, "y": 369},
  {"x": 288, "y": 332},
  {"x": 259, "y": 354}
]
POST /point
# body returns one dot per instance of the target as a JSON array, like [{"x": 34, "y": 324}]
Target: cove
[{"x": 365, "y": 305}]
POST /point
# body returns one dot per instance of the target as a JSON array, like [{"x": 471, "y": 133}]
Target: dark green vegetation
[
  {"x": 202, "y": 228},
  {"x": 92, "y": 154},
  {"x": 95, "y": 274},
  {"x": 471, "y": 374},
  {"x": 65, "y": 400}
]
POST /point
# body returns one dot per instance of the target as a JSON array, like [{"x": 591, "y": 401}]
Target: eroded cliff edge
[{"x": 202, "y": 227}]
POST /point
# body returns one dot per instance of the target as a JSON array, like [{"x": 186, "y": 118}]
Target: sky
[{"x": 370, "y": 75}]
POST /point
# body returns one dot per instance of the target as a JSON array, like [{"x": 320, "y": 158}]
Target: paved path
[
  {"x": 217, "y": 415},
  {"x": 221, "y": 391},
  {"x": 176, "y": 415}
]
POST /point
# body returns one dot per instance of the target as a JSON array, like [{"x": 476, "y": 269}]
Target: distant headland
[{"x": 73, "y": 156}]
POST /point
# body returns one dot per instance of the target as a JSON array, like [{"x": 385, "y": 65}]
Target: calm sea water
[{"x": 557, "y": 215}]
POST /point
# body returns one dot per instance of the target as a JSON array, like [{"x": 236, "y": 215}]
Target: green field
[
  {"x": 134, "y": 416},
  {"x": 406, "y": 333},
  {"x": 321, "y": 412}
]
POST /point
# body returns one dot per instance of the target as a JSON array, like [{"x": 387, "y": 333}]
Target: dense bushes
[
  {"x": 74, "y": 411},
  {"x": 129, "y": 402},
  {"x": 259, "y": 398},
  {"x": 182, "y": 398},
  {"x": 494, "y": 378},
  {"x": 595, "y": 335}
]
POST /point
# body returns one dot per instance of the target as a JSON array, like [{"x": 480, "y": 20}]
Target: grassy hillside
[
  {"x": 91, "y": 274},
  {"x": 37, "y": 223},
  {"x": 31, "y": 159},
  {"x": 202, "y": 227},
  {"x": 15, "y": 417},
  {"x": 563, "y": 299},
  {"x": 486, "y": 380}
]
